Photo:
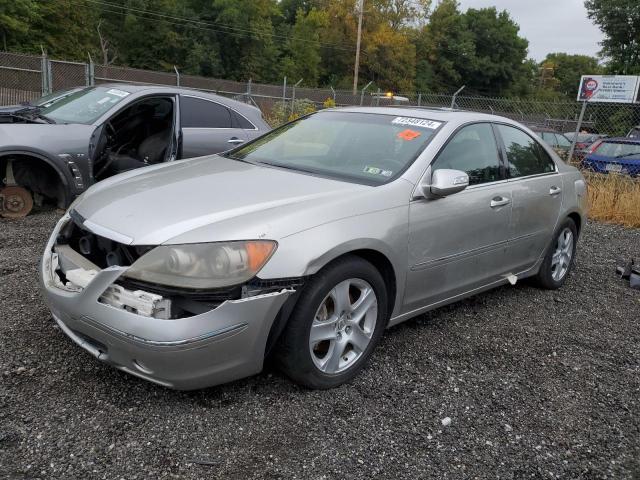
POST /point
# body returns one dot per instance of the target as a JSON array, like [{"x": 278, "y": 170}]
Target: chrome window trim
[
  {"x": 213, "y": 128},
  {"x": 415, "y": 195},
  {"x": 485, "y": 185},
  {"x": 222, "y": 105},
  {"x": 540, "y": 145}
]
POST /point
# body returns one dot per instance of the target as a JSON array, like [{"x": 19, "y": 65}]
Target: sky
[{"x": 549, "y": 25}]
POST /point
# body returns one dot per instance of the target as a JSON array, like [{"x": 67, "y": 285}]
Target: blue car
[{"x": 617, "y": 155}]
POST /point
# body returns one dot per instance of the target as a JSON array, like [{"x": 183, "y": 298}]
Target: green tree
[
  {"x": 290, "y": 8},
  {"x": 619, "y": 20},
  {"x": 389, "y": 59},
  {"x": 338, "y": 42},
  {"x": 16, "y": 17},
  {"x": 249, "y": 49},
  {"x": 443, "y": 46},
  {"x": 499, "y": 51},
  {"x": 561, "y": 72},
  {"x": 303, "y": 59}
]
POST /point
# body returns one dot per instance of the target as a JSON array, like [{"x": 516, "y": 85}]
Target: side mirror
[{"x": 446, "y": 182}]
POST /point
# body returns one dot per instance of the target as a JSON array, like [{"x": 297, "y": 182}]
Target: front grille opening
[{"x": 102, "y": 251}]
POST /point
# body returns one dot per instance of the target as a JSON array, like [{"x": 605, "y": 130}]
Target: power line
[{"x": 207, "y": 26}]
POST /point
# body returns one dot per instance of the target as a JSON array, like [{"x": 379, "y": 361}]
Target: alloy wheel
[
  {"x": 343, "y": 325},
  {"x": 561, "y": 259}
]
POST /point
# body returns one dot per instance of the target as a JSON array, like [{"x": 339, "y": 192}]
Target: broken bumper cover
[{"x": 224, "y": 344}]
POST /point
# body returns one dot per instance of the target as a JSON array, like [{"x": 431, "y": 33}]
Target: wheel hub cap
[
  {"x": 561, "y": 259},
  {"x": 343, "y": 326}
]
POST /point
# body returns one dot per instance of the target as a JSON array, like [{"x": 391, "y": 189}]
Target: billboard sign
[{"x": 609, "y": 88}]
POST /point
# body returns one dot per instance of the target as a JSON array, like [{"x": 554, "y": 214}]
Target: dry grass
[{"x": 614, "y": 199}]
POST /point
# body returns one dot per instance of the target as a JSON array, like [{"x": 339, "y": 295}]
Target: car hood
[
  {"x": 215, "y": 198},
  {"x": 10, "y": 108},
  {"x": 46, "y": 138}
]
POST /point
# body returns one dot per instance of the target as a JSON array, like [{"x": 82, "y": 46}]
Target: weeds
[{"x": 614, "y": 198}]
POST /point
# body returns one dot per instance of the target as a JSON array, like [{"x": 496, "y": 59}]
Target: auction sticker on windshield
[
  {"x": 408, "y": 134},
  {"x": 118, "y": 93},
  {"x": 377, "y": 171},
  {"x": 416, "y": 122}
]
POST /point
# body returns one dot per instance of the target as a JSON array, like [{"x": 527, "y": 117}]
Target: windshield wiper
[
  {"x": 34, "y": 112},
  {"x": 288, "y": 167},
  {"x": 627, "y": 154}
]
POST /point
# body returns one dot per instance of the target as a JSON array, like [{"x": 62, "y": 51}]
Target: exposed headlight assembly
[{"x": 203, "y": 265}]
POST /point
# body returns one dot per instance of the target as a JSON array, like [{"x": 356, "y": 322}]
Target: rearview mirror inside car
[{"x": 446, "y": 182}]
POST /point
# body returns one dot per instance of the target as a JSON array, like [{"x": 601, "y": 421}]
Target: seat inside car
[
  {"x": 152, "y": 150},
  {"x": 138, "y": 136}
]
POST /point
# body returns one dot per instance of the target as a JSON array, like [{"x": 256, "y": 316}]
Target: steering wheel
[{"x": 110, "y": 133}]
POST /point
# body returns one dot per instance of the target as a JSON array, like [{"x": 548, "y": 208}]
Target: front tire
[
  {"x": 559, "y": 259},
  {"x": 335, "y": 325}
]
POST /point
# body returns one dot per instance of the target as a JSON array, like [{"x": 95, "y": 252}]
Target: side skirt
[{"x": 406, "y": 316}]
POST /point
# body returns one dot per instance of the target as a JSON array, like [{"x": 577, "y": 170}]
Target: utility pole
[{"x": 360, "y": 6}]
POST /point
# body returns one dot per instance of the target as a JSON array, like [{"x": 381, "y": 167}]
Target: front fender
[{"x": 306, "y": 252}]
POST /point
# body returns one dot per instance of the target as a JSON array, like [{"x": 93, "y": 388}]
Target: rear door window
[
  {"x": 524, "y": 155},
  {"x": 200, "y": 113}
]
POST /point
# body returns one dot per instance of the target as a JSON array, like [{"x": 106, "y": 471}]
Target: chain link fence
[
  {"x": 26, "y": 77},
  {"x": 21, "y": 77}
]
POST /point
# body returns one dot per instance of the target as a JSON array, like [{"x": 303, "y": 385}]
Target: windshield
[
  {"x": 51, "y": 98},
  {"x": 84, "y": 106},
  {"x": 562, "y": 140},
  {"x": 360, "y": 147},
  {"x": 611, "y": 149},
  {"x": 582, "y": 137}
]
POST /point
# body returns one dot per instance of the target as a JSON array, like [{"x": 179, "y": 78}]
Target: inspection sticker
[
  {"x": 408, "y": 134},
  {"x": 416, "y": 122},
  {"x": 117, "y": 93},
  {"x": 377, "y": 171}
]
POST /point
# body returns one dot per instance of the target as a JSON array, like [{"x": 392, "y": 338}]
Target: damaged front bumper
[{"x": 221, "y": 345}]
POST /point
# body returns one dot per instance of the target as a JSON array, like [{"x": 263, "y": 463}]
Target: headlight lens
[{"x": 203, "y": 265}]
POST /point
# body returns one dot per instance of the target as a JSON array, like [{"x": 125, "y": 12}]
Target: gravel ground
[{"x": 535, "y": 384}]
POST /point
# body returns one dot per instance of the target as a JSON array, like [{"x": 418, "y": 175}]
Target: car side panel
[
  {"x": 197, "y": 142},
  {"x": 456, "y": 243},
  {"x": 536, "y": 209}
]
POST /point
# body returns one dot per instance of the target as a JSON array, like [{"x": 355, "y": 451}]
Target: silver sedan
[{"x": 307, "y": 243}]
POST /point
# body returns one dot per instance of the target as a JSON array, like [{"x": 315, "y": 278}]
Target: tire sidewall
[
  {"x": 545, "y": 274},
  {"x": 297, "y": 360}
]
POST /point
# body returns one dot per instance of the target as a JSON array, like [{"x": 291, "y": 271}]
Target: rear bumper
[{"x": 224, "y": 344}]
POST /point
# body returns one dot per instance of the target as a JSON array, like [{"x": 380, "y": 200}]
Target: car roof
[
  {"x": 439, "y": 114},
  {"x": 136, "y": 88},
  {"x": 621, "y": 140},
  {"x": 537, "y": 128}
]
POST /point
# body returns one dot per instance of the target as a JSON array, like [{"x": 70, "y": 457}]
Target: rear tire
[
  {"x": 335, "y": 325},
  {"x": 559, "y": 258}
]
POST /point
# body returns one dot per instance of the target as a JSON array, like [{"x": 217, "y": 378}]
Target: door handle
[
  {"x": 554, "y": 190},
  {"x": 499, "y": 202},
  {"x": 235, "y": 140}
]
